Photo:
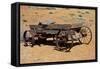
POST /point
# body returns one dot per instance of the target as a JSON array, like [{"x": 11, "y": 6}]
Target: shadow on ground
[{"x": 66, "y": 48}]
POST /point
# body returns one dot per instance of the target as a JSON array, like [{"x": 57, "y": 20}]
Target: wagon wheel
[
  {"x": 32, "y": 36},
  {"x": 70, "y": 34},
  {"x": 32, "y": 42},
  {"x": 86, "y": 35},
  {"x": 24, "y": 38},
  {"x": 60, "y": 39}
]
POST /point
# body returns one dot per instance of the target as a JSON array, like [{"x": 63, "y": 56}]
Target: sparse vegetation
[
  {"x": 22, "y": 14},
  {"x": 87, "y": 12},
  {"x": 36, "y": 12},
  {"x": 80, "y": 15},
  {"x": 91, "y": 20},
  {"x": 50, "y": 8},
  {"x": 79, "y": 12},
  {"x": 72, "y": 14},
  {"x": 24, "y": 20},
  {"x": 50, "y": 12}
]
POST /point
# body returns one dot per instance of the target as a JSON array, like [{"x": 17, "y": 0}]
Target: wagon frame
[{"x": 77, "y": 32}]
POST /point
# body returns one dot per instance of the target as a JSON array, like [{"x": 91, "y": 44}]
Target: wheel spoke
[{"x": 86, "y": 35}]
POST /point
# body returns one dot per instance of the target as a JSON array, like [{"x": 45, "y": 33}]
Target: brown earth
[{"x": 46, "y": 53}]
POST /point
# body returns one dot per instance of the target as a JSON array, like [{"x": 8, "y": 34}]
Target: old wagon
[{"x": 61, "y": 34}]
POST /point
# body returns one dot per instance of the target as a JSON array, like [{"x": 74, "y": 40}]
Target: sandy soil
[{"x": 46, "y": 53}]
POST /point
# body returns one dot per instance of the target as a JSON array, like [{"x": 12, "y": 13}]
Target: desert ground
[{"x": 45, "y": 53}]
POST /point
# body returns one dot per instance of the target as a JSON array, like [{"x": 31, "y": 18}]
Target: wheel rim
[
  {"x": 86, "y": 35},
  {"x": 60, "y": 36}
]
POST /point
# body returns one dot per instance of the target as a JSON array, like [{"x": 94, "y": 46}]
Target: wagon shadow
[
  {"x": 50, "y": 43},
  {"x": 68, "y": 47},
  {"x": 64, "y": 48}
]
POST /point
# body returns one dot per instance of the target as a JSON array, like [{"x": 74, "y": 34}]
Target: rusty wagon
[{"x": 61, "y": 34}]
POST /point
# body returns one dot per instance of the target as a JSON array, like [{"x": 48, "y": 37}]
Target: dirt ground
[{"x": 46, "y": 53}]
